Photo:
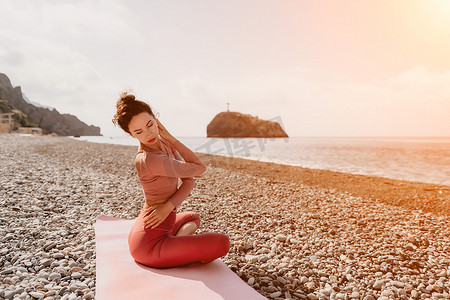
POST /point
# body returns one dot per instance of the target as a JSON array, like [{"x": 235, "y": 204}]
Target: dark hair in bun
[
  {"x": 127, "y": 98},
  {"x": 127, "y": 108}
]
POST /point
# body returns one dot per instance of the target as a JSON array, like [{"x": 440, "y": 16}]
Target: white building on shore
[
  {"x": 7, "y": 122},
  {"x": 30, "y": 130}
]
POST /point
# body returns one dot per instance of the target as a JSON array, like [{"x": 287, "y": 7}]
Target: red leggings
[{"x": 159, "y": 248}]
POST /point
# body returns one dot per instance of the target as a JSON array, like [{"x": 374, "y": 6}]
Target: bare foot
[{"x": 187, "y": 228}]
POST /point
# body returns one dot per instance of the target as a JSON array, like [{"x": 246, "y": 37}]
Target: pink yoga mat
[{"x": 119, "y": 276}]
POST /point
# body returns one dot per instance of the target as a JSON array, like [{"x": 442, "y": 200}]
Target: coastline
[
  {"x": 295, "y": 233},
  {"x": 427, "y": 197}
]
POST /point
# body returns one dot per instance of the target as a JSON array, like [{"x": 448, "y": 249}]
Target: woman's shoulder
[
  {"x": 144, "y": 155},
  {"x": 142, "y": 162},
  {"x": 138, "y": 164},
  {"x": 149, "y": 159}
]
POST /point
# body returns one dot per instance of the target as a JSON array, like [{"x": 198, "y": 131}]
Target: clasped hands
[{"x": 158, "y": 215}]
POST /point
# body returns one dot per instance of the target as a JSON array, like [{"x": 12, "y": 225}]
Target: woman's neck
[{"x": 144, "y": 147}]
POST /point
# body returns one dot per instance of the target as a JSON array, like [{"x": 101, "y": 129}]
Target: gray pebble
[
  {"x": 378, "y": 285},
  {"x": 54, "y": 276},
  {"x": 311, "y": 296},
  {"x": 9, "y": 294},
  {"x": 275, "y": 294},
  {"x": 72, "y": 297},
  {"x": 7, "y": 271},
  {"x": 340, "y": 296},
  {"x": 58, "y": 255},
  {"x": 264, "y": 258},
  {"x": 280, "y": 237},
  {"x": 46, "y": 262},
  {"x": 37, "y": 295},
  {"x": 251, "y": 258},
  {"x": 397, "y": 284}
]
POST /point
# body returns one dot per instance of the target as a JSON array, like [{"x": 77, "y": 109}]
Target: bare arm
[
  {"x": 186, "y": 186},
  {"x": 183, "y": 192},
  {"x": 187, "y": 154}
]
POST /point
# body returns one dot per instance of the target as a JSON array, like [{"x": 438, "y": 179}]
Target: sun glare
[
  {"x": 434, "y": 17},
  {"x": 440, "y": 9}
]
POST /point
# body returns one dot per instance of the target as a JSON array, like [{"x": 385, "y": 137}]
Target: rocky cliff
[
  {"x": 49, "y": 120},
  {"x": 235, "y": 124}
]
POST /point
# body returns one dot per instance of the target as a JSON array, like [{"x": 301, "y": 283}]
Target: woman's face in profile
[{"x": 144, "y": 127}]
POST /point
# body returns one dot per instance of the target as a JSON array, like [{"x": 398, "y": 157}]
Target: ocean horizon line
[{"x": 298, "y": 136}]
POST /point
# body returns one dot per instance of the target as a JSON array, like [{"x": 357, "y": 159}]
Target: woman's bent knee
[
  {"x": 195, "y": 218},
  {"x": 223, "y": 244}
]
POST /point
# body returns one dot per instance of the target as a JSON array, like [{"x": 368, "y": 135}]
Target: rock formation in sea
[
  {"x": 50, "y": 120},
  {"x": 235, "y": 124}
]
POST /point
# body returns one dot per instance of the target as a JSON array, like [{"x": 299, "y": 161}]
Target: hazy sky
[{"x": 324, "y": 68}]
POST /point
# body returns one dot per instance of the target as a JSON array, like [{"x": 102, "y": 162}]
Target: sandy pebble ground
[{"x": 295, "y": 233}]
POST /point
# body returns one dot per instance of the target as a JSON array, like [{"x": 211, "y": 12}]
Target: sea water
[{"x": 413, "y": 159}]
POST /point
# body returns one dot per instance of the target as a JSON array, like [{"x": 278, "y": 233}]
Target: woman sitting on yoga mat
[{"x": 161, "y": 237}]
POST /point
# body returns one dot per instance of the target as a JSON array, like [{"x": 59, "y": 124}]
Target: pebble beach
[{"x": 295, "y": 233}]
